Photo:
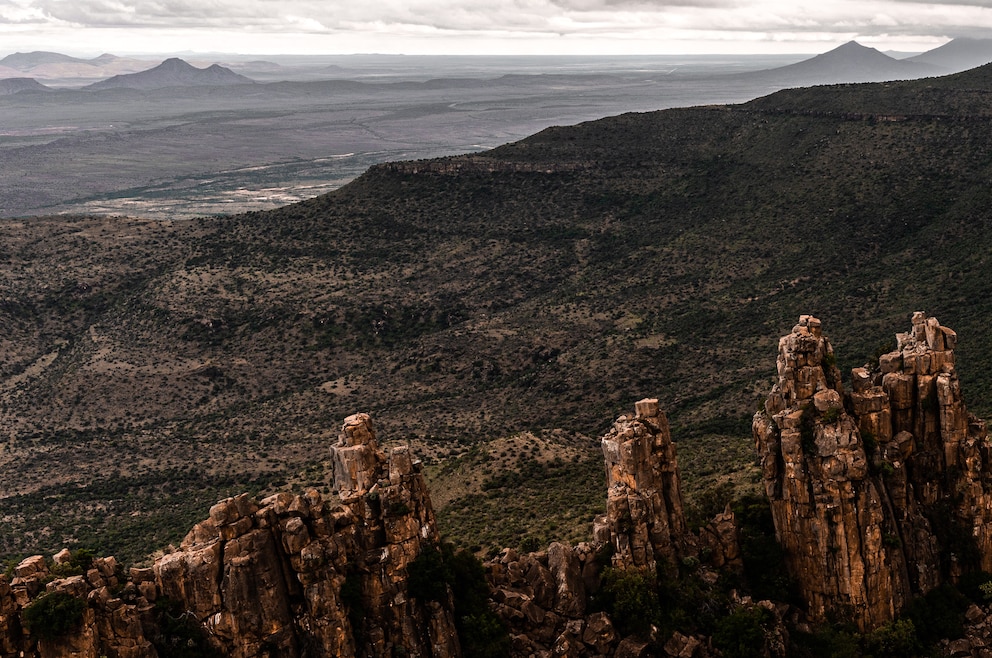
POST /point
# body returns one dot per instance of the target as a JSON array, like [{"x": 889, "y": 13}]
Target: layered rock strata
[{"x": 881, "y": 494}]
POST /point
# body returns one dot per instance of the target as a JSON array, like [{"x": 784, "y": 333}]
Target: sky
[{"x": 592, "y": 27}]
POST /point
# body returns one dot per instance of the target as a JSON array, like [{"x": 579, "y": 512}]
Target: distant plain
[{"x": 312, "y": 124}]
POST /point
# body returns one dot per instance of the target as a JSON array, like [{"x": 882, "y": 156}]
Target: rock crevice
[{"x": 880, "y": 494}]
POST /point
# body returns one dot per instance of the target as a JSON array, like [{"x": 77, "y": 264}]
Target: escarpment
[{"x": 880, "y": 494}]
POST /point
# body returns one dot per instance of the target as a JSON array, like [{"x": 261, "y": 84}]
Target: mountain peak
[
  {"x": 852, "y": 46},
  {"x": 175, "y": 62},
  {"x": 851, "y": 62},
  {"x": 855, "y": 50},
  {"x": 958, "y": 54},
  {"x": 174, "y": 72}
]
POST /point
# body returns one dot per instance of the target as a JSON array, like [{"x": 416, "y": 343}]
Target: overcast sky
[{"x": 90, "y": 27}]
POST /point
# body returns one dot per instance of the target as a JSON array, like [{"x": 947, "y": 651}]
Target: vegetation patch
[
  {"x": 440, "y": 569},
  {"x": 53, "y": 614}
]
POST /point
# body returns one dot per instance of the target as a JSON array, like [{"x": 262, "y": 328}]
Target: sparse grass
[{"x": 549, "y": 284}]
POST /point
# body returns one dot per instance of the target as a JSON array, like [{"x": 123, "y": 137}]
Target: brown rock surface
[
  {"x": 869, "y": 490},
  {"x": 541, "y": 596},
  {"x": 112, "y": 624},
  {"x": 644, "y": 515},
  {"x": 290, "y": 575}
]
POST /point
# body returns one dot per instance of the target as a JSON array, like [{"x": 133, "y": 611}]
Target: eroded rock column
[
  {"x": 831, "y": 517},
  {"x": 644, "y": 514},
  {"x": 294, "y": 574}
]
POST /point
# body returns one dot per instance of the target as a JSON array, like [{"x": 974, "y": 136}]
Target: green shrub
[
  {"x": 53, "y": 614},
  {"x": 870, "y": 443},
  {"x": 827, "y": 642},
  {"x": 741, "y": 634},
  {"x": 761, "y": 553},
  {"x": 481, "y": 632},
  {"x": 897, "y": 639},
  {"x": 938, "y": 615},
  {"x": 440, "y": 568},
  {"x": 429, "y": 576},
  {"x": 530, "y": 544},
  {"x": 977, "y": 586},
  {"x": 79, "y": 563},
  {"x": 690, "y": 604},
  {"x": 630, "y": 596}
]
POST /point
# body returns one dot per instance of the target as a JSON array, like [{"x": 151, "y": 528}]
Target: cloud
[
  {"x": 633, "y": 19},
  {"x": 21, "y": 12}
]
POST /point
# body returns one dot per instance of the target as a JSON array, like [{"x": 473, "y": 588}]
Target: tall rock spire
[
  {"x": 878, "y": 495},
  {"x": 644, "y": 500}
]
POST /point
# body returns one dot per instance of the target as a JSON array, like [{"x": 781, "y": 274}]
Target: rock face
[
  {"x": 291, "y": 575},
  {"x": 881, "y": 494},
  {"x": 542, "y": 596},
  {"x": 111, "y": 624},
  {"x": 644, "y": 516},
  {"x": 542, "y": 599}
]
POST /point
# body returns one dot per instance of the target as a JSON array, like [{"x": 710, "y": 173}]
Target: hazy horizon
[{"x": 462, "y": 27}]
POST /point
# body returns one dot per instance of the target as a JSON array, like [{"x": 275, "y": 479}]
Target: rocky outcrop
[
  {"x": 111, "y": 623},
  {"x": 290, "y": 575},
  {"x": 881, "y": 494},
  {"x": 644, "y": 518},
  {"x": 977, "y": 639},
  {"x": 542, "y": 596}
]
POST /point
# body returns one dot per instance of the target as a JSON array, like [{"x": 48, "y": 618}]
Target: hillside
[
  {"x": 852, "y": 62},
  {"x": 494, "y": 310},
  {"x": 28, "y": 61},
  {"x": 66, "y": 70},
  {"x": 958, "y": 54},
  {"x": 173, "y": 72},
  {"x": 17, "y": 85}
]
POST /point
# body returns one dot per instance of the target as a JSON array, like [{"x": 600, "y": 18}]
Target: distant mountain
[
  {"x": 173, "y": 72},
  {"x": 256, "y": 65},
  {"x": 27, "y": 61},
  {"x": 848, "y": 63},
  {"x": 10, "y": 86},
  {"x": 43, "y": 65},
  {"x": 105, "y": 59},
  {"x": 958, "y": 55}
]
